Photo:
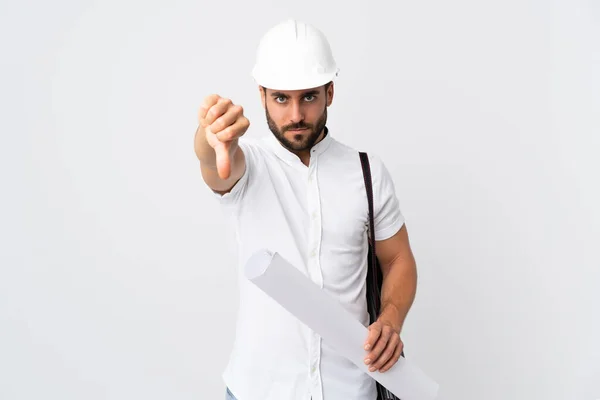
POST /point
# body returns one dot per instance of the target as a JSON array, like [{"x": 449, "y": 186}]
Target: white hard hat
[{"x": 294, "y": 55}]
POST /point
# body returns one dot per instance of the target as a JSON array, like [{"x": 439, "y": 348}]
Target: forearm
[{"x": 398, "y": 291}]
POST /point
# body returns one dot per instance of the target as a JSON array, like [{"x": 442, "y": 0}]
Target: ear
[
  {"x": 263, "y": 98},
  {"x": 330, "y": 92}
]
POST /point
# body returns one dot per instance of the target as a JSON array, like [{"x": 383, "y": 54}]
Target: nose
[{"x": 297, "y": 114}]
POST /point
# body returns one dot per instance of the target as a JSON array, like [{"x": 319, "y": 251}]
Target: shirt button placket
[
  {"x": 314, "y": 226},
  {"x": 314, "y": 242}
]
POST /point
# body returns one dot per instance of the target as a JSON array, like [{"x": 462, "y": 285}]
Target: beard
[{"x": 300, "y": 142}]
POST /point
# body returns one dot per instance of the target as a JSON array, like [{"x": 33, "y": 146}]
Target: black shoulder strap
[
  {"x": 374, "y": 274},
  {"x": 366, "y": 167}
]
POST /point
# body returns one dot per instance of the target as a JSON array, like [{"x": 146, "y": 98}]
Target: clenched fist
[{"x": 223, "y": 123}]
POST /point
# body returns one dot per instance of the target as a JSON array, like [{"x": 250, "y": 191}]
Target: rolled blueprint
[{"x": 322, "y": 313}]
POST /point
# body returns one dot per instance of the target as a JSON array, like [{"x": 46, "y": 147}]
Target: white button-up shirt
[{"x": 316, "y": 217}]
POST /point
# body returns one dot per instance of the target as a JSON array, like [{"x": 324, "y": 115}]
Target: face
[{"x": 297, "y": 117}]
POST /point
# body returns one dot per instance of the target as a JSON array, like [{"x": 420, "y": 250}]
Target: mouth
[{"x": 297, "y": 130}]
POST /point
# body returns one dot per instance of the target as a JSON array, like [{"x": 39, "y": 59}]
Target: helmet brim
[{"x": 302, "y": 83}]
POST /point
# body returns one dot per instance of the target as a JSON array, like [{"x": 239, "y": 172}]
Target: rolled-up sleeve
[{"x": 388, "y": 217}]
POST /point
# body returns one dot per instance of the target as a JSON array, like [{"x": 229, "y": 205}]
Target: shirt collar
[{"x": 290, "y": 157}]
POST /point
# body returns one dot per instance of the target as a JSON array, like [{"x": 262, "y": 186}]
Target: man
[{"x": 301, "y": 193}]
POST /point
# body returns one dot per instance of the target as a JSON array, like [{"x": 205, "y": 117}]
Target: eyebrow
[{"x": 285, "y": 96}]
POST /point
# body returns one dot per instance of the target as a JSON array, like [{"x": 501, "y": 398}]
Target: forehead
[{"x": 294, "y": 93}]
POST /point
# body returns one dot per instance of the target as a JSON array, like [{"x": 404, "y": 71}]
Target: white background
[{"x": 117, "y": 273}]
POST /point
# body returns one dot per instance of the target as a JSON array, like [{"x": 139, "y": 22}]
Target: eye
[
  {"x": 309, "y": 98},
  {"x": 280, "y": 98}
]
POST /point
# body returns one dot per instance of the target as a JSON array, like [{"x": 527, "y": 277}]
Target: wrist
[{"x": 390, "y": 314}]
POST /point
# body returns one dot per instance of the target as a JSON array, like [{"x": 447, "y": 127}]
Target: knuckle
[
  {"x": 210, "y": 118},
  {"x": 232, "y": 133},
  {"x": 228, "y": 133},
  {"x": 212, "y": 113},
  {"x": 226, "y": 121},
  {"x": 389, "y": 354},
  {"x": 224, "y": 126},
  {"x": 236, "y": 109},
  {"x": 211, "y": 99},
  {"x": 223, "y": 133}
]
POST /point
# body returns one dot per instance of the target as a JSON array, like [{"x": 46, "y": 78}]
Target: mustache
[{"x": 299, "y": 125}]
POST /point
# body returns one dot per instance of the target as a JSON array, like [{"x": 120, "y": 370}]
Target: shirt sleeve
[{"x": 388, "y": 217}]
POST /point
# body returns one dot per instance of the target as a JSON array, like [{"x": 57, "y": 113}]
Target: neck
[{"x": 304, "y": 155}]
